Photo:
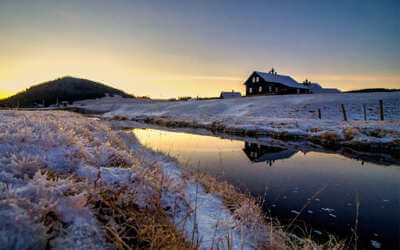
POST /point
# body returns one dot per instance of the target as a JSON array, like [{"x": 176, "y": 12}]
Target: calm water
[{"x": 288, "y": 178}]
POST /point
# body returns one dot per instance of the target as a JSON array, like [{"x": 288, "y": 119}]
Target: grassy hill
[
  {"x": 63, "y": 89},
  {"x": 372, "y": 90}
]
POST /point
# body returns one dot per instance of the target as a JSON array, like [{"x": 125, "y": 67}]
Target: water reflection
[
  {"x": 295, "y": 177},
  {"x": 260, "y": 153}
]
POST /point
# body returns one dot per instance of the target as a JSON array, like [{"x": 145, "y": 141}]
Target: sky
[{"x": 172, "y": 48}]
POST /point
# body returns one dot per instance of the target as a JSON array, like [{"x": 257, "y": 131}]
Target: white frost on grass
[{"x": 50, "y": 163}]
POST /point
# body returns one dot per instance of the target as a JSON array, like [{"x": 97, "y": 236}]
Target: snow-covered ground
[
  {"x": 51, "y": 162},
  {"x": 279, "y": 106},
  {"x": 110, "y": 102},
  {"x": 293, "y": 115}
]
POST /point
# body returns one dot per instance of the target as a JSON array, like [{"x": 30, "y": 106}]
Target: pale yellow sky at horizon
[
  {"x": 188, "y": 85},
  {"x": 168, "y": 49}
]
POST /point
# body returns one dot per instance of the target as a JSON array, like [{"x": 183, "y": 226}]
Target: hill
[
  {"x": 372, "y": 90},
  {"x": 63, "y": 89}
]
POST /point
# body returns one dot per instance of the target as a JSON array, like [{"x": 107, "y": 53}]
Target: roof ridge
[{"x": 286, "y": 80}]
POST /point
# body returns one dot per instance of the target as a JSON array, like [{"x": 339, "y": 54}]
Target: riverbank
[
  {"x": 285, "y": 117},
  {"x": 381, "y": 158},
  {"x": 361, "y": 136},
  {"x": 75, "y": 183}
]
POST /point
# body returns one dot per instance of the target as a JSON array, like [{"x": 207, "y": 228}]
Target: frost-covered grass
[
  {"x": 72, "y": 182},
  {"x": 50, "y": 164}
]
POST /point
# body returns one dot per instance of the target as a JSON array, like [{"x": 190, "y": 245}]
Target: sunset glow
[
  {"x": 176, "y": 48},
  {"x": 4, "y": 95}
]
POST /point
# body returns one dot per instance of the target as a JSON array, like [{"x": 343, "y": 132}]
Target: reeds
[{"x": 130, "y": 226}]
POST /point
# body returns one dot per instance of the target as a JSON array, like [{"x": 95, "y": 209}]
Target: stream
[{"x": 287, "y": 175}]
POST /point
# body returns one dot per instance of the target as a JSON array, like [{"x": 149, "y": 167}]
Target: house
[
  {"x": 226, "y": 95},
  {"x": 271, "y": 83}
]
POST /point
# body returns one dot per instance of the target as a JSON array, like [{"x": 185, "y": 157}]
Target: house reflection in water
[{"x": 259, "y": 153}]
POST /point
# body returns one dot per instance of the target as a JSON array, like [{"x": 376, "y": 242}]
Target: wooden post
[
  {"x": 319, "y": 114},
  {"x": 381, "y": 110},
  {"x": 344, "y": 112},
  {"x": 365, "y": 111}
]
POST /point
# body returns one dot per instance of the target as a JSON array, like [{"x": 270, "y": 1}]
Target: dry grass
[
  {"x": 131, "y": 227},
  {"x": 329, "y": 137},
  {"x": 350, "y": 133}
]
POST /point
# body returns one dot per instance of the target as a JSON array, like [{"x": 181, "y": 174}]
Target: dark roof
[{"x": 282, "y": 79}]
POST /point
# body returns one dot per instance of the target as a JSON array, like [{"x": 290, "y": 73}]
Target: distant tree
[
  {"x": 372, "y": 90},
  {"x": 184, "y": 98},
  {"x": 306, "y": 82}
]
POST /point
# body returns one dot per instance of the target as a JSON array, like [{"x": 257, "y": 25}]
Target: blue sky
[{"x": 175, "y": 48}]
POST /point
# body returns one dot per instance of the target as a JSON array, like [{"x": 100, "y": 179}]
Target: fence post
[
  {"x": 344, "y": 112},
  {"x": 381, "y": 110},
  {"x": 365, "y": 111},
  {"x": 319, "y": 114}
]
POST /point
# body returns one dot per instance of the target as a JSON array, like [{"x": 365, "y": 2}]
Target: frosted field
[
  {"x": 55, "y": 165},
  {"x": 109, "y": 103},
  {"x": 294, "y": 115},
  {"x": 284, "y": 106}
]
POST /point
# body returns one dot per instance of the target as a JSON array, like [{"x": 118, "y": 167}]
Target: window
[
  {"x": 298, "y": 91},
  {"x": 269, "y": 88},
  {"x": 260, "y": 89},
  {"x": 257, "y": 79},
  {"x": 250, "y": 90},
  {"x": 254, "y": 79},
  {"x": 276, "y": 89}
]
